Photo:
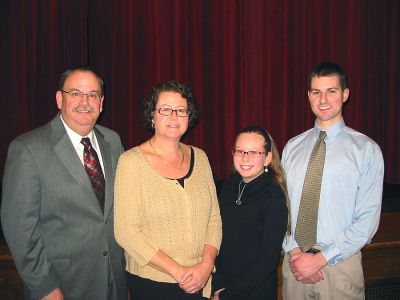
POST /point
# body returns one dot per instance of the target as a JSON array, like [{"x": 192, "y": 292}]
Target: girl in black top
[{"x": 254, "y": 212}]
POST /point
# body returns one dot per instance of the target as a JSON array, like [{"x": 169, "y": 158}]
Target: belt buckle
[{"x": 313, "y": 250}]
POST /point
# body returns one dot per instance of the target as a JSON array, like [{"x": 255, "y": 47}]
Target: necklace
[
  {"x": 240, "y": 192},
  {"x": 166, "y": 161}
]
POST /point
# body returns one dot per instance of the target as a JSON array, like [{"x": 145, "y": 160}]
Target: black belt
[{"x": 313, "y": 250}]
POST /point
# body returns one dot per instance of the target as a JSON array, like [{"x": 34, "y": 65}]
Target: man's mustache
[{"x": 85, "y": 108}]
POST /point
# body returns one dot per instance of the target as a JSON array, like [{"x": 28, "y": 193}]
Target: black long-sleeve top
[{"x": 252, "y": 239}]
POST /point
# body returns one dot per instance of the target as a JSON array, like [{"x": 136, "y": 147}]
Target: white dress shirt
[{"x": 76, "y": 142}]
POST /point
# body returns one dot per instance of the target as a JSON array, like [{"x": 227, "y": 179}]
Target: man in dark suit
[{"x": 57, "y": 222}]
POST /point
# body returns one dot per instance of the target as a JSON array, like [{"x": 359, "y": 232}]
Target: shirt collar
[
  {"x": 76, "y": 137},
  {"x": 331, "y": 131}
]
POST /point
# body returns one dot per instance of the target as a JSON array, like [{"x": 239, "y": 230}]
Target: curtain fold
[{"x": 247, "y": 62}]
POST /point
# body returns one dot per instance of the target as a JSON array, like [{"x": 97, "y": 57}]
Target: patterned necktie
[
  {"x": 94, "y": 171},
  {"x": 306, "y": 228}
]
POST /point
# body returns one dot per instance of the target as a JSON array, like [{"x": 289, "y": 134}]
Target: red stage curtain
[{"x": 246, "y": 60}]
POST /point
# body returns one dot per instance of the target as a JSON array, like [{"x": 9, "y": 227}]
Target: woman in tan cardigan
[{"x": 166, "y": 211}]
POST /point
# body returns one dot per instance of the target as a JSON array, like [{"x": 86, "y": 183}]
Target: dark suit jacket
[{"x": 53, "y": 224}]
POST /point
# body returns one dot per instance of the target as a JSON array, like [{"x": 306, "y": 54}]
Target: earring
[
  {"x": 266, "y": 169},
  {"x": 152, "y": 123}
]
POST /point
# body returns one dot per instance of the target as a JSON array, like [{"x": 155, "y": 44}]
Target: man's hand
[
  {"x": 303, "y": 265},
  {"x": 295, "y": 251},
  {"x": 54, "y": 295},
  {"x": 314, "y": 278}
]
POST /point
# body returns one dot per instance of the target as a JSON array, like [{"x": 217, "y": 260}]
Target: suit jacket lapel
[
  {"x": 69, "y": 158},
  {"x": 106, "y": 155}
]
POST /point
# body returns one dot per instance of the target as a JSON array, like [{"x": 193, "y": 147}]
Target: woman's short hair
[{"x": 149, "y": 103}]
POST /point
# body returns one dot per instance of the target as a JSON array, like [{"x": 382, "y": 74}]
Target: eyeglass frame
[
  {"x": 250, "y": 154},
  {"x": 172, "y": 111},
  {"x": 81, "y": 94}
]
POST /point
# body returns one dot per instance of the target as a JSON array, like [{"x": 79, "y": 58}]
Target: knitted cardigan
[{"x": 153, "y": 212}]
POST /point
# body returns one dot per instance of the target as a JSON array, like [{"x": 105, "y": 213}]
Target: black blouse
[{"x": 253, "y": 233}]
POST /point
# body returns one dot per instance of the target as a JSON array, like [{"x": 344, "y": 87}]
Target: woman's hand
[
  {"x": 178, "y": 271},
  {"x": 195, "y": 277},
  {"x": 216, "y": 294}
]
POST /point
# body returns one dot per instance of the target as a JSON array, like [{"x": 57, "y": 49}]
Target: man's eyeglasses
[
  {"x": 166, "y": 111},
  {"x": 251, "y": 154},
  {"x": 77, "y": 94}
]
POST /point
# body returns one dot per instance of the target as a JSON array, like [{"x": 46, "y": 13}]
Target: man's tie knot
[
  {"x": 86, "y": 142},
  {"x": 322, "y": 135}
]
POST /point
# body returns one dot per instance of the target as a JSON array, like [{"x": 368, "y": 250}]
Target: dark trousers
[{"x": 145, "y": 289}]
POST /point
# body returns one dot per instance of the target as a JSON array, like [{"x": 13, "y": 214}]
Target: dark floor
[{"x": 389, "y": 290}]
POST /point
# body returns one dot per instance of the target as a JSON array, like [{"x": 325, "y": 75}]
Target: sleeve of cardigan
[
  {"x": 214, "y": 230},
  {"x": 127, "y": 212}
]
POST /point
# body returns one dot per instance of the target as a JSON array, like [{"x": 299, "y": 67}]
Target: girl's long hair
[{"x": 275, "y": 166}]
